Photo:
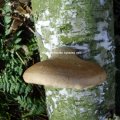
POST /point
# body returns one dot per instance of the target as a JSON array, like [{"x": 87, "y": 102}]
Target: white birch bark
[{"x": 88, "y": 26}]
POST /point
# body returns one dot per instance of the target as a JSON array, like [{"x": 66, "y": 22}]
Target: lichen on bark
[
  {"x": 71, "y": 104},
  {"x": 88, "y": 26}
]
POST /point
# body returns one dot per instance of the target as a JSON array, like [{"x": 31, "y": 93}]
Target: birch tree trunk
[{"x": 88, "y": 26}]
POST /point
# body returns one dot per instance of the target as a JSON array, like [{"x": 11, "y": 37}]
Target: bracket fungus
[
  {"x": 65, "y": 70},
  {"x": 64, "y": 76}
]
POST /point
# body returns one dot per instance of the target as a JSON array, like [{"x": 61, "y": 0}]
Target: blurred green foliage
[{"x": 18, "y": 100}]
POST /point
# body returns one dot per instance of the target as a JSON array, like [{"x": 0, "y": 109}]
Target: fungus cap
[{"x": 65, "y": 71}]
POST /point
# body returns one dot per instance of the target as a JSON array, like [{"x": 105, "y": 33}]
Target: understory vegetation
[{"x": 18, "y": 50}]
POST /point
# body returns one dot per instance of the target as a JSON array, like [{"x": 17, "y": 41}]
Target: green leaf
[{"x": 17, "y": 40}]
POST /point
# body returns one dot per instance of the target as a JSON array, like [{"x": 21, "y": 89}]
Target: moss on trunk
[{"x": 88, "y": 26}]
